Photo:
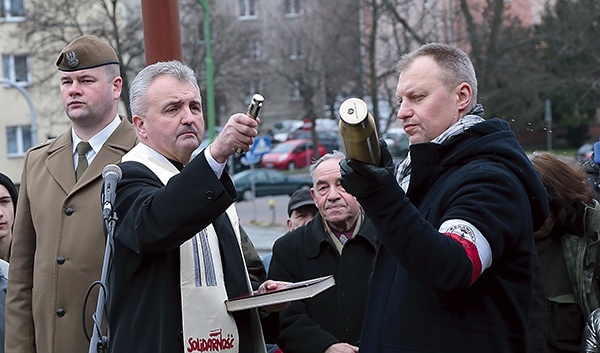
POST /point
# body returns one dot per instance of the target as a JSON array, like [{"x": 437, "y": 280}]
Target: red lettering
[{"x": 215, "y": 343}]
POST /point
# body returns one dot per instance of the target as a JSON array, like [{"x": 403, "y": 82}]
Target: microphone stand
[{"x": 99, "y": 342}]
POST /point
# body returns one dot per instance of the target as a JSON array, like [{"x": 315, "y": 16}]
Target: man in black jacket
[
  {"x": 454, "y": 271},
  {"x": 179, "y": 250},
  {"x": 340, "y": 241}
]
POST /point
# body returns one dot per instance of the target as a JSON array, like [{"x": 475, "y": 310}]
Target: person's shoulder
[
  {"x": 368, "y": 229},
  {"x": 46, "y": 143},
  {"x": 124, "y": 136},
  {"x": 125, "y": 125},
  {"x": 291, "y": 237},
  {"x": 593, "y": 216},
  {"x": 131, "y": 168},
  {"x": 41, "y": 145},
  {"x": 136, "y": 173},
  {"x": 4, "y": 269},
  {"x": 46, "y": 146},
  {"x": 299, "y": 235}
]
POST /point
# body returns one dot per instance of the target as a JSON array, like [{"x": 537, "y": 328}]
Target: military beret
[{"x": 86, "y": 52}]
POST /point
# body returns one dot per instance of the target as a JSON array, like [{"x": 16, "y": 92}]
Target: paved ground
[{"x": 264, "y": 218}]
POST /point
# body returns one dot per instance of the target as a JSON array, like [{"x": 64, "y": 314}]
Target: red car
[{"x": 291, "y": 154}]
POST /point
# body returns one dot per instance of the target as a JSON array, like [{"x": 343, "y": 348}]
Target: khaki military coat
[{"x": 58, "y": 246}]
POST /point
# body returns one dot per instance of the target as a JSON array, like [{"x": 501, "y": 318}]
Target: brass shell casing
[
  {"x": 359, "y": 133},
  {"x": 252, "y": 111},
  {"x": 255, "y": 105}
]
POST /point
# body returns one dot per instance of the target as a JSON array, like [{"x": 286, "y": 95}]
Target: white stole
[{"x": 207, "y": 326}]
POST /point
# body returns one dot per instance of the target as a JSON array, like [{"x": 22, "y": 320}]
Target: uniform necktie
[{"x": 82, "y": 163}]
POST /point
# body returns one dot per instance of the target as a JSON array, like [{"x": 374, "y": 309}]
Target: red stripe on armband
[{"x": 472, "y": 254}]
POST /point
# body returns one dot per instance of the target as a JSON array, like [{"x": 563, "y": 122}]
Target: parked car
[
  {"x": 584, "y": 152},
  {"x": 291, "y": 154},
  {"x": 283, "y": 129},
  {"x": 267, "y": 182},
  {"x": 397, "y": 142},
  {"x": 329, "y": 139},
  {"x": 234, "y": 163}
]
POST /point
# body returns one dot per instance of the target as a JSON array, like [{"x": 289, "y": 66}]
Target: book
[{"x": 287, "y": 293}]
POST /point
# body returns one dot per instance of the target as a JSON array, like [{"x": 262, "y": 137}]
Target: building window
[
  {"x": 16, "y": 68},
  {"x": 295, "y": 91},
  {"x": 12, "y": 10},
  {"x": 295, "y": 49},
  {"x": 19, "y": 140},
  {"x": 253, "y": 51},
  {"x": 293, "y": 8},
  {"x": 248, "y": 9}
]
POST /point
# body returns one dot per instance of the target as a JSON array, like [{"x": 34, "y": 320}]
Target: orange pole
[{"x": 162, "y": 31}]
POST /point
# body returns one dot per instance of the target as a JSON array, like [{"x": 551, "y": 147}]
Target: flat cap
[
  {"x": 86, "y": 52},
  {"x": 300, "y": 197}
]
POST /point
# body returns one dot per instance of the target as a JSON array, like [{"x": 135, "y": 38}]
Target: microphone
[{"x": 111, "y": 175}]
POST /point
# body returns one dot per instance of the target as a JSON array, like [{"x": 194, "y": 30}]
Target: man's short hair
[
  {"x": 144, "y": 79},
  {"x": 335, "y": 154},
  {"x": 455, "y": 64}
]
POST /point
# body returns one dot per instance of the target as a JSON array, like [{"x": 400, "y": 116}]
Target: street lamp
[
  {"x": 32, "y": 117},
  {"x": 210, "y": 93}
]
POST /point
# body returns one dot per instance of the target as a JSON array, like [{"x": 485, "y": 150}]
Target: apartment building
[
  {"x": 16, "y": 118},
  {"x": 296, "y": 53}
]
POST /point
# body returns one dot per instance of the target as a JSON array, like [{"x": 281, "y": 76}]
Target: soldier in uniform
[{"x": 58, "y": 240}]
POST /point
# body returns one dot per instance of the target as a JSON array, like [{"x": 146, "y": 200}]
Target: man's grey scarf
[{"x": 474, "y": 116}]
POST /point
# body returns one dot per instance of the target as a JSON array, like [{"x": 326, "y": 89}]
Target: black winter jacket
[
  {"x": 332, "y": 316},
  {"x": 421, "y": 298},
  {"x": 154, "y": 220}
]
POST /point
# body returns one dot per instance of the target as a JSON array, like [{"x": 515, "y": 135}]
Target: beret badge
[{"x": 72, "y": 60}]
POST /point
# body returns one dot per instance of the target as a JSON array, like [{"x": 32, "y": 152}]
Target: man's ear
[
  {"x": 117, "y": 85},
  {"x": 464, "y": 95},
  {"x": 139, "y": 124}
]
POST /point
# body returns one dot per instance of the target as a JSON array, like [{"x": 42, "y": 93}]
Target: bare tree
[
  {"x": 393, "y": 28},
  {"x": 233, "y": 65},
  {"x": 569, "y": 52},
  {"x": 298, "y": 60},
  {"x": 497, "y": 43},
  {"x": 502, "y": 52},
  {"x": 342, "y": 58},
  {"x": 318, "y": 56}
]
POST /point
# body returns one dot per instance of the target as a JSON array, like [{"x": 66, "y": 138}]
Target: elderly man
[
  {"x": 340, "y": 241},
  {"x": 179, "y": 250},
  {"x": 58, "y": 240},
  {"x": 455, "y": 267}
]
